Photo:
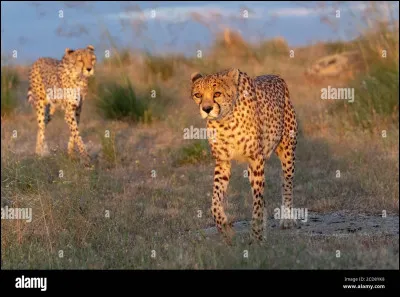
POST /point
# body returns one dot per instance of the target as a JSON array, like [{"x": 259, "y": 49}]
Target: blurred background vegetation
[{"x": 122, "y": 81}]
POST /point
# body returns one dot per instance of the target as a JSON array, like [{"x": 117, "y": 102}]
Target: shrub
[
  {"x": 375, "y": 94},
  {"x": 122, "y": 103},
  {"x": 9, "y": 82},
  {"x": 196, "y": 152},
  {"x": 164, "y": 67},
  {"x": 337, "y": 47},
  {"x": 120, "y": 58},
  {"x": 376, "y": 91},
  {"x": 273, "y": 47}
]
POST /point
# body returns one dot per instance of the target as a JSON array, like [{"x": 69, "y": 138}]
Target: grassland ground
[{"x": 147, "y": 200}]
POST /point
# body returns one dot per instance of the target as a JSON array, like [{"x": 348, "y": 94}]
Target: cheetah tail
[{"x": 29, "y": 96}]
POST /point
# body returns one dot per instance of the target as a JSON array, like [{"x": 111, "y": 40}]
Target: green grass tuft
[
  {"x": 198, "y": 151},
  {"x": 9, "y": 83},
  {"x": 376, "y": 94},
  {"x": 120, "y": 102}
]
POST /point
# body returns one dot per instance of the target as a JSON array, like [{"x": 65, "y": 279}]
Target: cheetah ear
[
  {"x": 68, "y": 51},
  {"x": 90, "y": 47},
  {"x": 195, "y": 76},
  {"x": 234, "y": 74}
]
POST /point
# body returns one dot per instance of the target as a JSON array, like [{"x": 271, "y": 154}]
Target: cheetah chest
[
  {"x": 67, "y": 92},
  {"x": 234, "y": 141}
]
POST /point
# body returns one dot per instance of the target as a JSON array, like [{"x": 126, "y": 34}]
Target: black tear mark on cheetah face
[
  {"x": 215, "y": 94},
  {"x": 81, "y": 61}
]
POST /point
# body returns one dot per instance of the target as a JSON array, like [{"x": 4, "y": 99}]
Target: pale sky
[{"x": 37, "y": 28}]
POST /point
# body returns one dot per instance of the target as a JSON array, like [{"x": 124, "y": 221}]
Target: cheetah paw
[
  {"x": 287, "y": 224},
  {"x": 256, "y": 240},
  {"x": 228, "y": 233},
  {"x": 43, "y": 152},
  {"x": 46, "y": 151},
  {"x": 88, "y": 165}
]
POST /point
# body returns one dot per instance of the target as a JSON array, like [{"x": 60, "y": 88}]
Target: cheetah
[
  {"x": 61, "y": 84},
  {"x": 251, "y": 117}
]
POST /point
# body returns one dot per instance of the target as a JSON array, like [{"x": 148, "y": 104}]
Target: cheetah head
[
  {"x": 80, "y": 61},
  {"x": 215, "y": 93}
]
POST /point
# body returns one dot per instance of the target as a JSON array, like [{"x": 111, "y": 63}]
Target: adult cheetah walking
[
  {"x": 61, "y": 84},
  {"x": 252, "y": 118}
]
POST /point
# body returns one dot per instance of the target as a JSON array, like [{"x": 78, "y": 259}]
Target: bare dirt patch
[{"x": 340, "y": 224}]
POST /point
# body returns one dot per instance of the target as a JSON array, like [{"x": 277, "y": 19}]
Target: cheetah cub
[
  {"x": 61, "y": 84},
  {"x": 251, "y": 118}
]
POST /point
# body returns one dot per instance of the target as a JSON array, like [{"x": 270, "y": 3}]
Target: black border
[{"x": 201, "y": 282}]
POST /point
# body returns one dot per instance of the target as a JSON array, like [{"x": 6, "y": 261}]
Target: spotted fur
[
  {"x": 252, "y": 117},
  {"x": 47, "y": 77}
]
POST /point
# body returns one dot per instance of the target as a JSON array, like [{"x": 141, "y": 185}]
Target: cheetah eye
[
  {"x": 197, "y": 95},
  {"x": 217, "y": 94}
]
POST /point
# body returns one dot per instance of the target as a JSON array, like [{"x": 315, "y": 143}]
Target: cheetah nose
[
  {"x": 207, "y": 109},
  {"x": 88, "y": 69}
]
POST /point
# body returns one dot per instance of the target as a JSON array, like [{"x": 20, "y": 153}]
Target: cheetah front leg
[
  {"x": 286, "y": 153},
  {"x": 256, "y": 178},
  {"x": 78, "y": 112},
  {"x": 75, "y": 138},
  {"x": 49, "y": 112},
  {"x": 41, "y": 120},
  {"x": 222, "y": 174},
  {"x": 71, "y": 142}
]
